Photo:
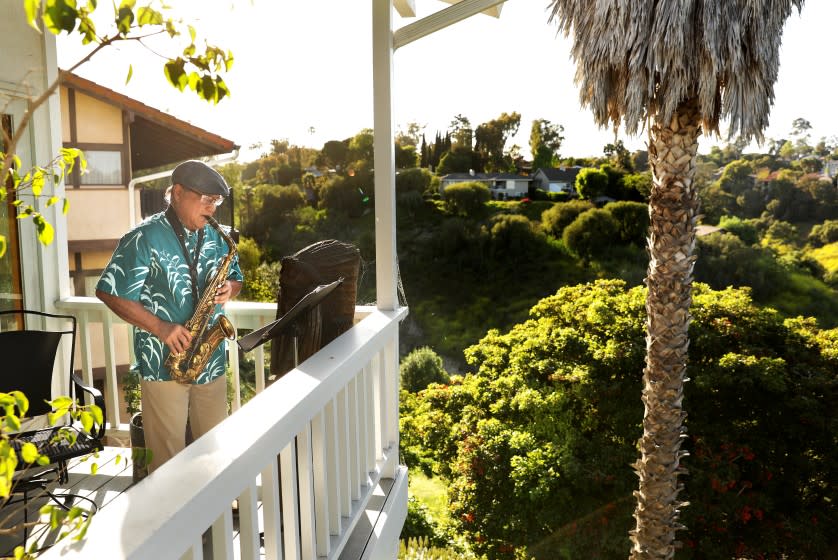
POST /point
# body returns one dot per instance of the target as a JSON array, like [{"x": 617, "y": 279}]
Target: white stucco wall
[{"x": 28, "y": 66}]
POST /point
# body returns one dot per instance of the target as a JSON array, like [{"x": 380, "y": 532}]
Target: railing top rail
[{"x": 152, "y": 519}]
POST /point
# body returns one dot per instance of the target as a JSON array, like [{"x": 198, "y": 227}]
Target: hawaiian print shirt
[{"x": 149, "y": 266}]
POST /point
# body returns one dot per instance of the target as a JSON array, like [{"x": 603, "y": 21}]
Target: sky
[{"x": 303, "y": 72}]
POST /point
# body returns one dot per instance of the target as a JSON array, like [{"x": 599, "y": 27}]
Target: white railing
[
  {"x": 97, "y": 323},
  {"x": 304, "y": 458}
]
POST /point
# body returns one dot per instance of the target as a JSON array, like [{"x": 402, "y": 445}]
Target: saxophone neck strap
[{"x": 180, "y": 233}]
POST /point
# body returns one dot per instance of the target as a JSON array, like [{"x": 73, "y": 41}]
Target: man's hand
[
  {"x": 176, "y": 337},
  {"x": 227, "y": 291}
]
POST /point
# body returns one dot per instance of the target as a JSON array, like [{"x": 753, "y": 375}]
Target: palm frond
[{"x": 638, "y": 58}]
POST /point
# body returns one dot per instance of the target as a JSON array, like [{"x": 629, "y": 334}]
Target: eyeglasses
[{"x": 207, "y": 199}]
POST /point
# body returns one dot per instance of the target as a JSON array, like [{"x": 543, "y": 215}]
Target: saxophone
[{"x": 186, "y": 366}]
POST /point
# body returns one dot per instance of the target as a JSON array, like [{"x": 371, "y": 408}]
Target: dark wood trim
[
  {"x": 75, "y": 176},
  {"x": 77, "y": 275},
  {"x": 100, "y": 146},
  {"x": 91, "y": 245},
  {"x": 126, "y": 148}
]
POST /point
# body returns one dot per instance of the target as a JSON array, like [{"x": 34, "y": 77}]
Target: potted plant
[{"x": 133, "y": 404}]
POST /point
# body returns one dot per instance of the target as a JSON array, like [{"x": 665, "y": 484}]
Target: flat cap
[{"x": 200, "y": 177}]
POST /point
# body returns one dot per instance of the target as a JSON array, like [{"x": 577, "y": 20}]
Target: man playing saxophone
[{"x": 169, "y": 278}]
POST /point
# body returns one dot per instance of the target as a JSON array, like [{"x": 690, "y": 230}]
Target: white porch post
[{"x": 384, "y": 156}]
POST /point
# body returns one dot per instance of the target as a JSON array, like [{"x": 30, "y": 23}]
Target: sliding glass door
[{"x": 11, "y": 292}]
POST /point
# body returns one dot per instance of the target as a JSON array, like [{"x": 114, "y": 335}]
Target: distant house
[
  {"x": 503, "y": 186},
  {"x": 556, "y": 179},
  {"x": 506, "y": 186}
]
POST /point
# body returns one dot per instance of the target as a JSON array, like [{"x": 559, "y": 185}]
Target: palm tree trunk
[{"x": 673, "y": 209}]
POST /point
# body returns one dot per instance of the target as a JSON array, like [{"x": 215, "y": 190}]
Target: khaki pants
[{"x": 166, "y": 405}]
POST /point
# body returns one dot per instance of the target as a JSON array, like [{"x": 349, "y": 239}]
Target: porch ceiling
[{"x": 155, "y": 144}]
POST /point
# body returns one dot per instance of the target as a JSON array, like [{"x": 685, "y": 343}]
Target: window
[
  {"x": 11, "y": 292},
  {"x": 104, "y": 167}
]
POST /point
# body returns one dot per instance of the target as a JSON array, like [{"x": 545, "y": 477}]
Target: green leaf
[
  {"x": 29, "y": 452},
  {"x": 19, "y": 552},
  {"x": 21, "y": 401},
  {"x": 221, "y": 89},
  {"x": 87, "y": 28},
  {"x": 124, "y": 19},
  {"x": 2, "y": 245},
  {"x": 13, "y": 421},
  {"x": 86, "y": 421},
  {"x": 60, "y": 15},
  {"x": 175, "y": 74},
  {"x": 52, "y": 200},
  {"x": 38, "y": 181},
  {"x": 66, "y": 207},
  {"x": 130, "y": 73},
  {"x": 208, "y": 90},
  {"x": 94, "y": 468},
  {"x": 33, "y": 10},
  {"x": 191, "y": 33},
  {"x": 149, "y": 16},
  {"x": 98, "y": 417},
  {"x": 194, "y": 81},
  {"x": 46, "y": 233},
  {"x": 61, "y": 403}
]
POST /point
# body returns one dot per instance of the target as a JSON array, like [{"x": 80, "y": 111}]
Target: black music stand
[{"x": 289, "y": 321}]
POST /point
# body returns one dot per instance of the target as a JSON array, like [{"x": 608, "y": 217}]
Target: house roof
[
  {"x": 484, "y": 177},
  {"x": 510, "y": 176},
  {"x": 560, "y": 173},
  {"x": 157, "y": 138}
]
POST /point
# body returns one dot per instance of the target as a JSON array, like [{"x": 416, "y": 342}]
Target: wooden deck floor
[{"x": 112, "y": 476}]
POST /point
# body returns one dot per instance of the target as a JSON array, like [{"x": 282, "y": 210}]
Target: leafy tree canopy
[{"x": 537, "y": 439}]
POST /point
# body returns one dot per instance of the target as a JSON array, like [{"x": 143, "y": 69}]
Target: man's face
[{"x": 192, "y": 207}]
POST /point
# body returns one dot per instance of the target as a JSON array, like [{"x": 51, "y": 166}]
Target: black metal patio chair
[{"x": 29, "y": 347}]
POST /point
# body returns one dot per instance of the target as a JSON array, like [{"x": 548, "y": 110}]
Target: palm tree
[{"x": 677, "y": 67}]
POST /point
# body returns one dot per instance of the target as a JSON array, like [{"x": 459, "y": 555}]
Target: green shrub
[
  {"x": 420, "y": 368},
  {"x": 261, "y": 284},
  {"x": 466, "y": 199},
  {"x": 591, "y": 233},
  {"x": 591, "y": 182},
  {"x": 745, "y": 230},
  {"x": 410, "y": 203},
  {"x": 420, "y": 525},
  {"x": 632, "y": 220},
  {"x": 345, "y": 195},
  {"x": 562, "y": 214},
  {"x": 413, "y": 180},
  {"x": 514, "y": 238},
  {"x": 724, "y": 260},
  {"x": 824, "y": 234},
  {"x": 249, "y": 254},
  {"x": 278, "y": 200}
]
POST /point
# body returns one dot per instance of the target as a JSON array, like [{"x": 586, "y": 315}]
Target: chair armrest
[{"x": 98, "y": 400}]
